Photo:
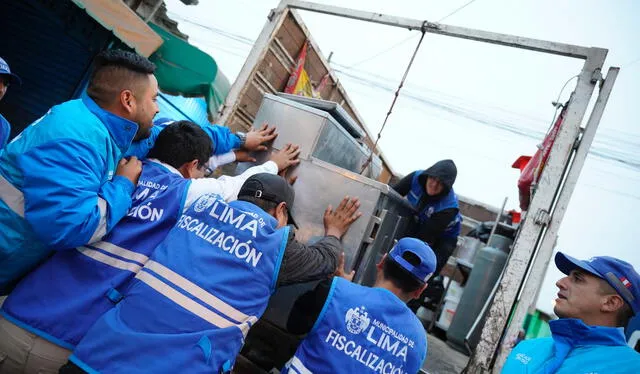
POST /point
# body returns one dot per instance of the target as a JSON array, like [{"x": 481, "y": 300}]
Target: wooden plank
[
  {"x": 273, "y": 70},
  {"x": 259, "y": 49}
]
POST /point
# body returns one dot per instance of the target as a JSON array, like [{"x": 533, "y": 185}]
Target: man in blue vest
[
  {"x": 192, "y": 304},
  {"x": 7, "y": 78},
  {"x": 356, "y": 329},
  {"x": 595, "y": 301},
  {"x": 431, "y": 192},
  {"x": 64, "y": 181},
  {"x": 54, "y": 306}
]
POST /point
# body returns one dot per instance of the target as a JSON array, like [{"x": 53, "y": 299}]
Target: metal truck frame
[{"x": 537, "y": 235}]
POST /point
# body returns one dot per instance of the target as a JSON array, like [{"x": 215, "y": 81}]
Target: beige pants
[{"x": 24, "y": 352}]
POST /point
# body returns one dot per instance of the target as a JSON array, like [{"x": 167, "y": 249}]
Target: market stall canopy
[
  {"x": 183, "y": 69},
  {"x": 116, "y": 16}
]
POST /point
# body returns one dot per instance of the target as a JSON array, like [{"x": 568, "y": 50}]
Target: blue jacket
[
  {"x": 57, "y": 183},
  {"x": 574, "y": 348},
  {"x": 450, "y": 200},
  {"x": 190, "y": 307},
  {"x": 361, "y": 330},
  {"x": 65, "y": 295},
  {"x": 5, "y": 131}
]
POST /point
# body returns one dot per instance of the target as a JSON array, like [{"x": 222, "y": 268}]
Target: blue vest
[
  {"x": 62, "y": 298},
  {"x": 361, "y": 330},
  {"x": 449, "y": 201},
  {"x": 190, "y": 307}
]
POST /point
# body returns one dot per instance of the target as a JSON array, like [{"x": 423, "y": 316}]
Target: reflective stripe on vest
[
  {"x": 109, "y": 260},
  {"x": 206, "y": 314},
  {"x": 297, "y": 366},
  {"x": 13, "y": 197}
]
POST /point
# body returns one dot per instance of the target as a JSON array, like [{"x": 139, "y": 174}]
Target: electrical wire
[
  {"x": 393, "y": 103},
  {"x": 455, "y": 11}
]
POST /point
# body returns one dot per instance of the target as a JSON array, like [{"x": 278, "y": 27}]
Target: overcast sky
[{"x": 479, "y": 104}]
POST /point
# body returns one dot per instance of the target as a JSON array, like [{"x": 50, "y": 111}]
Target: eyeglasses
[{"x": 207, "y": 171}]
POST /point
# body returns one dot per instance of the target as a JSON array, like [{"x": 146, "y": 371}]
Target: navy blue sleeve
[
  {"x": 404, "y": 186},
  {"x": 66, "y": 203}
]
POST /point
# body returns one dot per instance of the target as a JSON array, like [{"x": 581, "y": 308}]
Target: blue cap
[
  {"x": 428, "y": 261},
  {"x": 4, "y": 70},
  {"x": 619, "y": 274}
]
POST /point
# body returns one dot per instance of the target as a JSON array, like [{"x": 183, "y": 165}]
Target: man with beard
[{"x": 65, "y": 180}]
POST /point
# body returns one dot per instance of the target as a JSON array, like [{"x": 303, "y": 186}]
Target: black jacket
[{"x": 446, "y": 172}]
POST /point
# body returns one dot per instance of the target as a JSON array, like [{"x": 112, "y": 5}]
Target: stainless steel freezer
[{"x": 329, "y": 157}]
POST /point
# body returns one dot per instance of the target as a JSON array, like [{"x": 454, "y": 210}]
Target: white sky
[{"x": 479, "y": 104}]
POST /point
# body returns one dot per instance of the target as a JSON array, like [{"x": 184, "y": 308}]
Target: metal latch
[{"x": 542, "y": 217}]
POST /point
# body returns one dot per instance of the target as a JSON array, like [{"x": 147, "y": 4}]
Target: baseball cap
[
  {"x": 5, "y": 70},
  {"x": 427, "y": 265},
  {"x": 272, "y": 188},
  {"x": 619, "y": 274}
]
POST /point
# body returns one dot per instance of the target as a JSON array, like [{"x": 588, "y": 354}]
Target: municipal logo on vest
[
  {"x": 357, "y": 320},
  {"x": 430, "y": 211},
  {"x": 204, "y": 203}
]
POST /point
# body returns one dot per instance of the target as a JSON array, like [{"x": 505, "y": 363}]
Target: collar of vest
[
  {"x": 159, "y": 163},
  {"x": 121, "y": 129}
]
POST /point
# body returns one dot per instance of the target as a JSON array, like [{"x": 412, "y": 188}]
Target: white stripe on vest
[
  {"x": 192, "y": 306},
  {"x": 111, "y": 261},
  {"x": 121, "y": 252},
  {"x": 197, "y": 291},
  {"x": 298, "y": 366}
]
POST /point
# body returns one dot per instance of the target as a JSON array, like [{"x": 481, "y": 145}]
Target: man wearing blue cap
[
  {"x": 6, "y": 79},
  {"x": 357, "y": 329},
  {"x": 595, "y": 301}
]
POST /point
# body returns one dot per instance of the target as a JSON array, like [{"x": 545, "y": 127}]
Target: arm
[
  {"x": 65, "y": 202},
  {"x": 222, "y": 137},
  {"x": 431, "y": 231},
  {"x": 237, "y": 155},
  {"x": 307, "y": 307},
  {"x": 404, "y": 186},
  {"x": 228, "y": 187},
  {"x": 302, "y": 263},
  {"x": 225, "y": 186},
  {"x": 219, "y": 160}
]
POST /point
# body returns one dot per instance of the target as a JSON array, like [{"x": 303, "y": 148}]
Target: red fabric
[
  {"x": 293, "y": 79},
  {"x": 531, "y": 167}
]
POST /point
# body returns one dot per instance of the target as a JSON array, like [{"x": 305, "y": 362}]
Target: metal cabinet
[{"x": 386, "y": 215}]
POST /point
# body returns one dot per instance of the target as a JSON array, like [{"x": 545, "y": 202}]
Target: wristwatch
[{"x": 243, "y": 138}]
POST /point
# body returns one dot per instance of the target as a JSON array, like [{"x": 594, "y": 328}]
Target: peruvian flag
[{"x": 625, "y": 282}]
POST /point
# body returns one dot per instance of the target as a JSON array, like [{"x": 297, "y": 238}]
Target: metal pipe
[{"x": 562, "y": 49}]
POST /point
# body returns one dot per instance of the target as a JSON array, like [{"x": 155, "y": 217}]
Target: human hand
[
  {"x": 243, "y": 156},
  {"x": 256, "y": 138},
  {"x": 287, "y": 156},
  {"x": 130, "y": 169},
  {"x": 337, "y": 222},
  {"x": 340, "y": 270}
]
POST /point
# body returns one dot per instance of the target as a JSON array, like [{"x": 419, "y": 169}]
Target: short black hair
[
  {"x": 182, "y": 142},
  {"x": 401, "y": 277},
  {"x": 115, "y": 70}
]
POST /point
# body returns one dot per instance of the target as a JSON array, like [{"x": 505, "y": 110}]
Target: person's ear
[
  {"x": 281, "y": 214},
  {"x": 611, "y": 303},
  {"x": 379, "y": 264},
  {"x": 189, "y": 169},
  {"x": 416, "y": 294},
  {"x": 128, "y": 101}
]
